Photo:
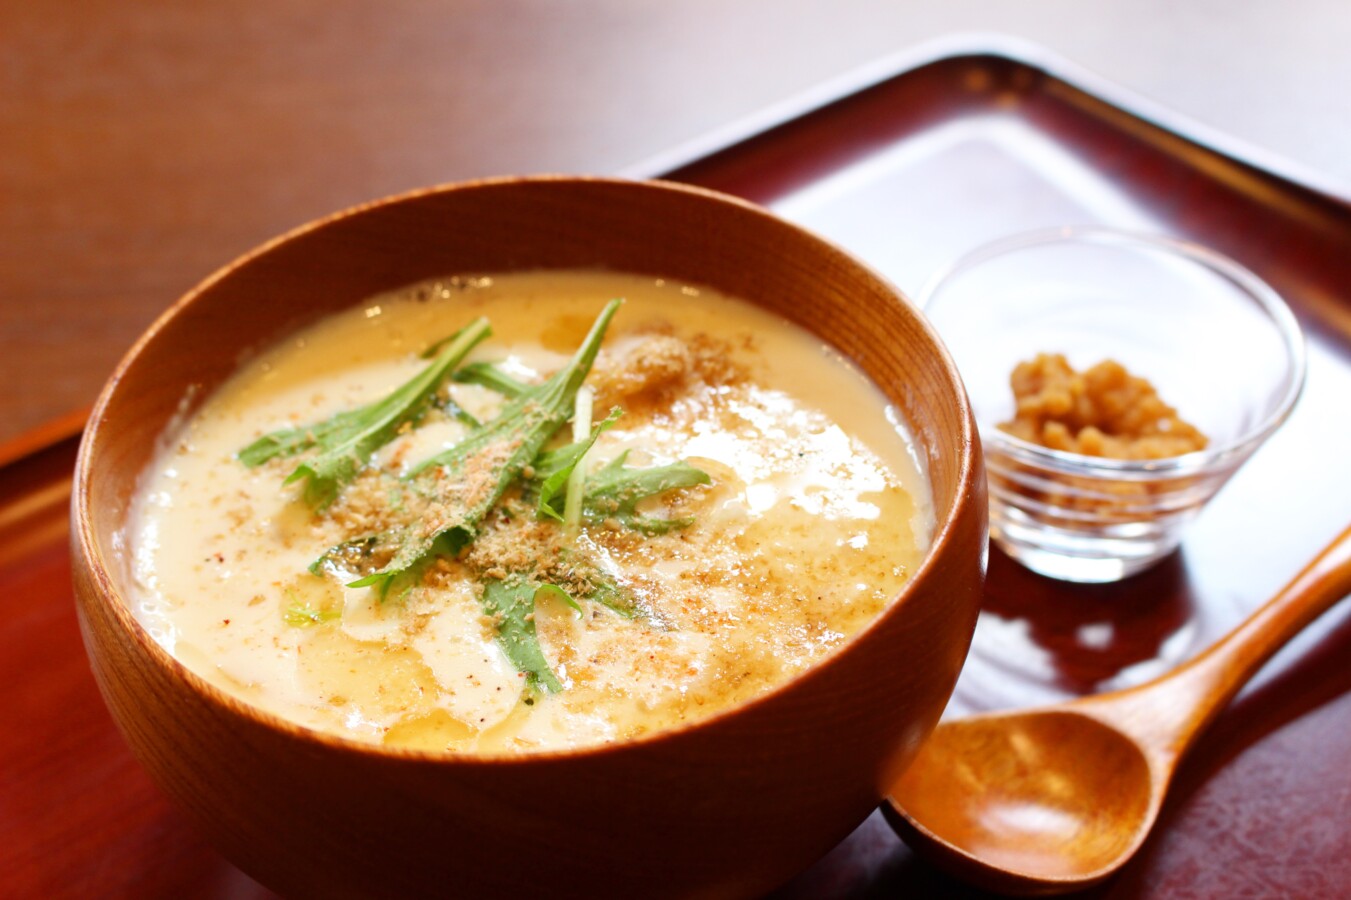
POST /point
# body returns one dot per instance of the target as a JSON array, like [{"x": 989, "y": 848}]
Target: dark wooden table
[{"x": 144, "y": 144}]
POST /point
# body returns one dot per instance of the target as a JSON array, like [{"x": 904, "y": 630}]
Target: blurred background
[{"x": 144, "y": 144}]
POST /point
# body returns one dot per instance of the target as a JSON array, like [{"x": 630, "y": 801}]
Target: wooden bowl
[{"x": 730, "y": 806}]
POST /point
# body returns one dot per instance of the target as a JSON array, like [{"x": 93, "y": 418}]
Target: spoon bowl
[
  {"x": 1057, "y": 793},
  {"x": 1057, "y": 799}
]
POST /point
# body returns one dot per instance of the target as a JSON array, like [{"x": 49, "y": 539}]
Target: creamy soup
[{"x": 740, "y": 500}]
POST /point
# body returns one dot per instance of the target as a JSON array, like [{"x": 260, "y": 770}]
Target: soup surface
[{"x": 754, "y": 504}]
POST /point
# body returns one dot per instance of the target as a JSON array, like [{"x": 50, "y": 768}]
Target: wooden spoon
[{"x": 1056, "y": 799}]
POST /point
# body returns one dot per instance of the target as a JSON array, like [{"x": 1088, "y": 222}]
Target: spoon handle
[{"x": 1167, "y": 713}]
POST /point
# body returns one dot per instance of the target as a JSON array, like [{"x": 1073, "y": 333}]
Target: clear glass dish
[{"x": 1215, "y": 340}]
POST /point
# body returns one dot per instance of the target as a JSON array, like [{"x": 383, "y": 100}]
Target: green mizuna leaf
[
  {"x": 489, "y": 376},
  {"x": 612, "y": 596},
  {"x": 288, "y": 442},
  {"x": 467, "y": 480},
  {"x": 555, "y": 467},
  {"x": 615, "y": 490},
  {"x": 452, "y": 409},
  {"x": 346, "y": 441},
  {"x": 556, "y": 592},
  {"x": 300, "y": 616},
  {"x": 511, "y": 603}
]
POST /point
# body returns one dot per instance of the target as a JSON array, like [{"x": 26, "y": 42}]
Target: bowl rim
[
  {"x": 1216, "y": 458},
  {"x": 967, "y": 487}
]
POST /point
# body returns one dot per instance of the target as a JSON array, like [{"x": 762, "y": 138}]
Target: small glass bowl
[{"x": 1217, "y": 343}]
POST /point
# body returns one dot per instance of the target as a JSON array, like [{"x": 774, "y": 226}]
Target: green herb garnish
[
  {"x": 442, "y": 503},
  {"x": 615, "y": 490},
  {"x": 608, "y": 593},
  {"x": 347, "y": 440},
  {"x": 553, "y": 468},
  {"x": 302, "y": 616},
  {"x": 489, "y": 376},
  {"x": 511, "y": 603},
  {"x": 447, "y": 405},
  {"x": 487, "y": 462}
]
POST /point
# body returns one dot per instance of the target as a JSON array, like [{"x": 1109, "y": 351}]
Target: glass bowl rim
[{"x": 1213, "y": 458}]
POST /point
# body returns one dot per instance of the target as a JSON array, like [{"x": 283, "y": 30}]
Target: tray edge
[{"x": 1012, "y": 49}]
